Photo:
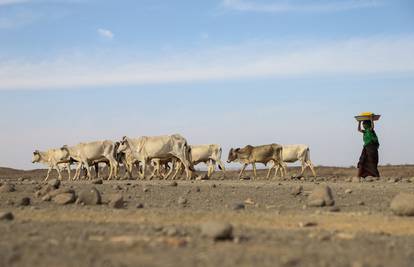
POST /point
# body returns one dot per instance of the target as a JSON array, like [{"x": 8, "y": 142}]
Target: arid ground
[{"x": 160, "y": 224}]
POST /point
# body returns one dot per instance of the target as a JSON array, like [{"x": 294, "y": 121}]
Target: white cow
[
  {"x": 52, "y": 158},
  {"x": 88, "y": 154},
  {"x": 165, "y": 147},
  {"x": 208, "y": 154},
  {"x": 293, "y": 153}
]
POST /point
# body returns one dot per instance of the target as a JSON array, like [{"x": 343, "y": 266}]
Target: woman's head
[{"x": 367, "y": 125}]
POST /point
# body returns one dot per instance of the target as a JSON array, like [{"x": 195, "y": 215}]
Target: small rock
[
  {"x": 46, "y": 198},
  {"x": 361, "y": 203},
  {"x": 307, "y": 224},
  {"x": 369, "y": 179},
  {"x": 334, "y": 209},
  {"x": 246, "y": 178},
  {"x": 197, "y": 189},
  {"x": 202, "y": 177},
  {"x": 116, "y": 187},
  {"x": 6, "y": 216},
  {"x": 249, "y": 201},
  {"x": 55, "y": 183},
  {"x": 348, "y": 191},
  {"x": 403, "y": 204},
  {"x": 140, "y": 206},
  {"x": 64, "y": 198},
  {"x": 97, "y": 181},
  {"x": 182, "y": 201},
  {"x": 7, "y": 188},
  {"x": 145, "y": 189},
  {"x": 170, "y": 231},
  {"x": 117, "y": 201},
  {"x": 321, "y": 196},
  {"x": 89, "y": 197},
  {"x": 356, "y": 180},
  {"x": 10, "y": 202},
  {"x": 214, "y": 185},
  {"x": 217, "y": 230},
  {"x": 25, "y": 201},
  {"x": 297, "y": 190},
  {"x": 174, "y": 183},
  {"x": 238, "y": 206}
]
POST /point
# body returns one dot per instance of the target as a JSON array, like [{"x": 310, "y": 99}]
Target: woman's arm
[
  {"x": 372, "y": 123},
  {"x": 359, "y": 127}
]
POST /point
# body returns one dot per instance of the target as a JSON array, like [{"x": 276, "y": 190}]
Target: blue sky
[{"x": 232, "y": 72}]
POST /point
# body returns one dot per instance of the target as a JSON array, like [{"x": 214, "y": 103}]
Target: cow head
[
  {"x": 36, "y": 156},
  {"x": 232, "y": 155},
  {"x": 123, "y": 145},
  {"x": 65, "y": 152}
]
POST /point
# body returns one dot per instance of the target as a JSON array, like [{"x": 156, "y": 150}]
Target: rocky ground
[{"x": 332, "y": 220}]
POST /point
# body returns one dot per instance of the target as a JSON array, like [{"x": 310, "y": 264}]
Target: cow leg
[
  {"x": 58, "y": 171},
  {"x": 242, "y": 170},
  {"x": 311, "y": 167},
  {"x": 96, "y": 165},
  {"x": 254, "y": 170},
  {"x": 221, "y": 167},
  {"x": 303, "y": 167},
  {"x": 144, "y": 167},
  {"x": 88, "y": 170},
  {"x": 270, "y": 170},
  {"x": 48, "y": 173},
  {"x": 68, "y": 167},
  {"x": 155, "y": 165}
]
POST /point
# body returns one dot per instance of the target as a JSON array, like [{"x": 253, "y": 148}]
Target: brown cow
[{"x": 257, "y": 154}]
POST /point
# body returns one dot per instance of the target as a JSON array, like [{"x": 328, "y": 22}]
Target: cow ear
[{"x": 237, "y": 149}]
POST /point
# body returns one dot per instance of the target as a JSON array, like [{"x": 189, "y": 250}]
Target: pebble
[
  {"x": 249, "y": 201},
  {"x": 321, "y": 196},
  {"x": 64, "y": 198},
  {"x": 97, "y": 181},
  {"x": 140, "y": 206},
  {"x": 348, "y": 191},
  {"x": 403, "y": 204},
  {"x": 117, "y": 201},
  {"x": 238, "y": 206},
  {"x": 6, "y": 216},
  {"x": 182, "y": 201},
  {"x": 356, "y": 180},
  {"x": 217, "y": 231},
  {"x": 25, "y": 201},
  {"x": 297, "y": 190},
  {"x": 334, "y": 209},
  {"x": 145, "y": 189},
  {"x": 7, "y": 188},
  {"x": 89, "y": 197},
  {"x": 173, "y": 184},
  {"x": 307, "y": 224},
  {"x": 197, "y": 189},
  {"x": 55, "y": 183},
  {"x": 361, "y": 203}
]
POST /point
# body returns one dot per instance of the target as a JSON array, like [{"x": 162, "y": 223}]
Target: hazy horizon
[{"x": 231, "y": 72}]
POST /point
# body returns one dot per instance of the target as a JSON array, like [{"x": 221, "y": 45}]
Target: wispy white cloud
[
  {"x": 106, "y": 33},
  {"x": 368, "y": 56},
  {"x": 278, "y": 6}
]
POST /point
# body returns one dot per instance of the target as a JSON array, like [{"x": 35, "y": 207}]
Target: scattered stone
[
  {"x": 7, "y": 188},
  {"x": 116, "y": 187},
  {"x": 238, "y": 206},
  {"x": 140, "y": 206},
  {"x": 10, "y": 202},
  {"x": 46, "y": 197},
  {"x": 356, "y": 180},
  {"x": 170, "y": 231},
  {"x": 25, "y": 201},
  {"x": 348, "y": 191},
  {"x": 64, "y": 198},
  {"x": 369, "y": 179},
  {"x": 89, "y": 197},
  {"x": 145, "y": 189},
  {"x": 361, "y": 203},
  {"x": 334, "y": 209},
  {"x": 197, "y": 189},
  {"x": 297, "y": 190},
  {"x": 307, "y": 224},
  {"x": 6, "y": 216},
  {"x": 249, "y": 201},
  {"x": 55, "y": 183},
  {"x": 202, "y": 177},
  {"x": 182, "y": 201},
  {"x": 218, "y": 231},
  {"x": 117, "y": 201},
  {"x": 246, "y": 178},
  {"x": 174, "y": 183},
  {"x": 321, "y": 196},
  {"x": 97, "y": 181},
  {"x": 403, "y": 204},
  {"x": 214, "y": 185}
]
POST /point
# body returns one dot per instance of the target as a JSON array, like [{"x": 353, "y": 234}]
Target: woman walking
[{"x": 368, "y": 162}]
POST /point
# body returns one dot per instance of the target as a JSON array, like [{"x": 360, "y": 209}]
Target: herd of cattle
[{"x": 167, "y": 156}]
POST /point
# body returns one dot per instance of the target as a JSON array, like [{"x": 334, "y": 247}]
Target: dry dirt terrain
[{"x": 164, "y": 224}]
